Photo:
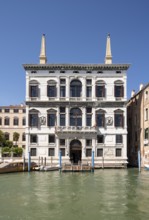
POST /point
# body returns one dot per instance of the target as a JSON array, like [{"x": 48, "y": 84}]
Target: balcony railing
[{"x": 75, "y": 129}]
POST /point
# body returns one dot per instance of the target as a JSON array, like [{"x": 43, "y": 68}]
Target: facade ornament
[
  {"x": 42, "y": 120},
  {"x": 109, "y": 120}
]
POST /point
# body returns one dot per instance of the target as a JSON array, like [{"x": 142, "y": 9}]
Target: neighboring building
[
  {"x": 138, "y": 126},
  {"x": 13, "y": 119},
  {"x": 77, "y": 108}
]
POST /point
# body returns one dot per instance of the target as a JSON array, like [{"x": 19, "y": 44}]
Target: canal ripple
[{"x": 105, "y": 194}]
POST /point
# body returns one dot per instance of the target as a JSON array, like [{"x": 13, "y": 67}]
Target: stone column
[
  {"x": 93, "y": 88},
  {"x": 67, "y": 116},
  {"x": 93, "y": 117},
  {"x": 58, "y": 88},
  {"x": 67, "y": 88},
  {"x": 83, "y": 148},
  {"x": 83, "y": 88}
]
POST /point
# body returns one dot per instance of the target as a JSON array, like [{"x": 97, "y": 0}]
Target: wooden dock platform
[{"x": 77, "y": 168}]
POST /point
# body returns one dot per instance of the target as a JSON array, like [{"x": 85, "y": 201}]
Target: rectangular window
[
  {"x": 100, "y": 139},
  {"x": 88, "y": 120},
  {"x": 51, "y": 139},
  {"x": 118, "y": 152},
  {"x": 62, "y": 142},
  {"x": 62, "y": 116},
  {"x": 146, "y": 114},
  {"x": 51, "y": 91},
  {"x": 62, "y": 91},
  {"x": 100, "y": 91},
  {"x": 88, "y": 91},
  {"x": 89, "y": 142},
  {"x": 88, "y": 152},
  {"x": 100, "y": 120},
  {"x": 118, "y": 120},
  {"x": 33, "y": 152},
  {"x": 24, "y": 121},
  {"x": 62, "y": 81},
  {"x": 51, "y": 152},
  {"x": 15, "y": 110},
  {"x": 33, "y": 91},
  {"x": 100, "y": 152},
  {"x": 7, "y": 110},
  {"x": 119, "y": 91},
  {"x": 24, "y": 110},
  {"x": 146, "y": 133},
  {"x": 33, "y": 120},
  {"x": 6, "y": 121},
  {"x": 15, "y": 121},
  {"x": 62, "y": 152},
  {"x": 0, "y": 121},
  {"x": 33, "y": 138},
  {"x": 51, "y": 119},
  {"x": 119, "y": 139}
]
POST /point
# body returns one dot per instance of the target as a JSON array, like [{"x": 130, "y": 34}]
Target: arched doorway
[{"x": 75, "y": 151}]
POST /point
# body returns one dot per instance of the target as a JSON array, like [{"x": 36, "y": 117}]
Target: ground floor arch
[{"x": 75, "y": 151}]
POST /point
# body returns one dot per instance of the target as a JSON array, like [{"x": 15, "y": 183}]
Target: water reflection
[{"x": 106, "y": 194}]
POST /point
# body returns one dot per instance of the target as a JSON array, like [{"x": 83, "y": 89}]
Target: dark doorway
[{"x": 75, "y": 151}]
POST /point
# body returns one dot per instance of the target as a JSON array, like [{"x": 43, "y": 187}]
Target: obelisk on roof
[
  {"x": 108, "y": 57},
  {"x": 42, "y": 57}
]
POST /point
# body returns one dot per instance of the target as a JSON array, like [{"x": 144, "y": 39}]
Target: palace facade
[{"x": 77, "y": 109}]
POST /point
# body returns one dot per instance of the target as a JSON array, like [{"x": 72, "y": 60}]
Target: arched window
[
  {"x": 75, "y": 117},
  {"x": 75, "y": 88},
  {"x": 33, "y": 118},
  {"x": 118, "y": 89},
  {"x": 100, "y": 88},
  {"x": 6, "y": 136},
  {"x": 16, "y": 121},
  {"x": 33, "y": 88},
  {"x": 6, "y": 121},
  {"x": 51, "y": 88},
  {"x": 118, "y": 118},
  {"x": 100, "y": 118},
  {"x": 51, "y": 117}
]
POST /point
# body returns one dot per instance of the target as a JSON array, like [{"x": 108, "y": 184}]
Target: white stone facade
[{"x": 105, "y": 132}]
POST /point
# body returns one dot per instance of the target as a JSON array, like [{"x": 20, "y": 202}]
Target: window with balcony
[
  {"x": 75, "y": 88},
  {"x": 75, "y": 117},
  {"x": 62, "y": 116},
  {"x": 6, "y": 121},
  {"x": 51, "y": 116},
  {"x": 99, "y": 152},
  {"x": 88, "y": 116},
  {"x": 51, "y": 89},
  {"x": 119, "y": 138},
  {"x": 33, "y": 152},
  {"x": 33, "y": 139},
  {"x": 118, "y": 89},
  {"x": 100, "y": 89},
  {"x": 15, "y": 121},
  {"x": 100, "y": 118},
  {"x": 118, "y": 118},
  {"x": 33, "y": 89}
]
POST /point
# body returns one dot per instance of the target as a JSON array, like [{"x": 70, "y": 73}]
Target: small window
[
  {"x": 88, "y": 152},
  {"x": 89, "y": 142},
  {"x": 7, "y": 110},
  {"x": 33, "y": 152},
  {"x": 51, "y": 152},
  {"x": 100, "y": 152},
  {"x": 51, "y": 71},
  {"x": 62, "y": 71},
  {"x": 88, "y": 71},
  {"x": 100, "y": 72},
  {"x": 89, "y": 82},
  {"x": 118, "y": 152},
  {"x": 51, "y": 139},
  {"x": 118, "y": 71},
  {"x": 100, "y": 139},
  {"x": 119, "y": 139},
  {"x": 146, "y": 114},
  {"x": 62, "y": 152},
  {"x": 62, "y": 81},
  {"x": 62, "y": 142},
  {"x": 33, "y": 138},
  {"x": 6, "y": 136},
  {"x": 62, "y": 109},
  {"x": 15, "y": 110},
  {"x": 89, "y": 110},
  {"x": 75, "y": 71}
]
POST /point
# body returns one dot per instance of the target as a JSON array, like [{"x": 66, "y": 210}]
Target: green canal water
[{"x": 104, "y": 194}]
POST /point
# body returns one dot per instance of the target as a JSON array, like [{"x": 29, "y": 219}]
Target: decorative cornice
[{"x": 91, "y": 67}]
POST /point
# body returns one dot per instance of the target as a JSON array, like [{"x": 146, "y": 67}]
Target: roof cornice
[{"x": 90, "y": 67}]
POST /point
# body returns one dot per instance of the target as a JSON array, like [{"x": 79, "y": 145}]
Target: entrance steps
[{"x": 77, "y": 168}]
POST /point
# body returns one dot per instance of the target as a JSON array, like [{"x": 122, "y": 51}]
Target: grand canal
[{"x": 104, "y": 194}]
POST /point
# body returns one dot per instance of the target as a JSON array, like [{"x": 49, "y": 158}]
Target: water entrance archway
[{"x": 75, "y": 151}]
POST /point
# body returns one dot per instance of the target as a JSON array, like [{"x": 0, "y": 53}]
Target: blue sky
[{"x": 76, "y": 32}]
